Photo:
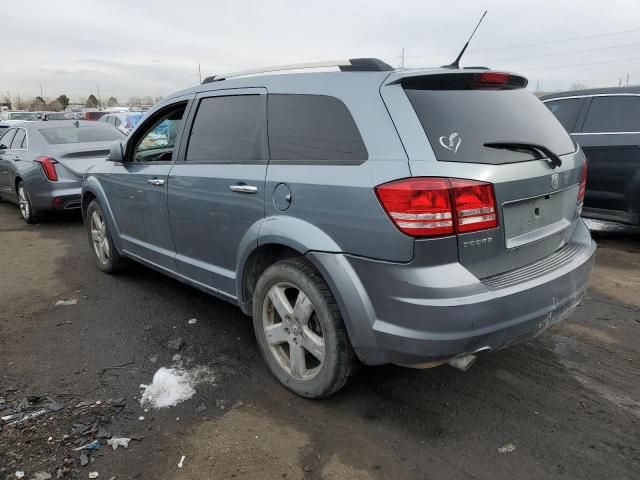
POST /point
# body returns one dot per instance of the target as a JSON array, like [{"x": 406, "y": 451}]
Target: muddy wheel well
[
  {"x": 259, "y": 260},
  {"x": 87, "y": 197}
]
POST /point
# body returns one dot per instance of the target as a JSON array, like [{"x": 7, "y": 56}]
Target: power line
[
  {"x": 565, "y": 53},
  {"x": 582, "y": 64},
  {"x": 552, "y": 42}
]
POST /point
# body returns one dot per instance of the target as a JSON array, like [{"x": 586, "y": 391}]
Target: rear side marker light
[
  {"x": 427, "y": 207},
  {"x": 48, "y": 165},
  {"x": 583, "y": 186}
]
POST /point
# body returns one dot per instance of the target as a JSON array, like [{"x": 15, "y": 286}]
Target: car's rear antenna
[{"x": 456, "y": 62}]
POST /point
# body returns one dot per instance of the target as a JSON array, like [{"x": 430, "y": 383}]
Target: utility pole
[
  {"x": 620, "y": 82},
  {"x": 99, "y": 97},
  {"x": 402, "y": 59},
  {"x": 538, "y": 86},
  {"x": 199, "y": 73},
  {"x": 627, "y": 79},
  {"x": 41, "y": 92}
]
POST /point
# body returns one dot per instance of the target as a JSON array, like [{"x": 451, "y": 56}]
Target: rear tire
[
  {"x": 300, "y": 330},
  {"x": 104, "y": 251},
  {"x": 24, "y": 203}
]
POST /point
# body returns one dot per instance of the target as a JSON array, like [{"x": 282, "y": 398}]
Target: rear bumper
[
  {"x": 55, "y": 197},
  {"x": 416, "y": 312},
  {"x": 611, "y": 215}
]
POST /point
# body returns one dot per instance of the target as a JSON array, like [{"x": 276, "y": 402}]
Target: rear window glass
[
  {"x": 459, "y": 122},
  {"x": 18, "y": 139},
  {"x": 566, "y": 111},
  {"x": 312, "y": 128},
  {"x": 613, "y": 114},
  {"x": 228, "y": 129},
  {"x": 61, "y": 135}
]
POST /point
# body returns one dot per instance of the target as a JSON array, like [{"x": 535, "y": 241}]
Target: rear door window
[
  {"x": 459, "y": 122},
  {"x": 566, "y": 111},
  {"x": 619, "y": 113},
  {"x": 228, "y": 129},
  {"x": 312, "y": 128}
]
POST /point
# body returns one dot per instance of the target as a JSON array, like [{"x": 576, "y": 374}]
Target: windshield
[
  {"x": 459, "y": 122},
  {"x": 22, "y": 116},
  {"x": 62, "y": 135}
]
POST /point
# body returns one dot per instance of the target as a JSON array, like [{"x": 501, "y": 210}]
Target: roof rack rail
[{"x": 351, "y": 65}]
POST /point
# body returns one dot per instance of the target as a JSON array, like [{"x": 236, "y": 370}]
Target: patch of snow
[
  {"x": 172, "y": 386},
  {"x": 508, "y": 448},
  {"x": 69, "y": 301},
  {"x": 192, "y": 321}
]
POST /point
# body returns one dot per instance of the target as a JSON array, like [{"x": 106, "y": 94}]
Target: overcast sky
[{"x": 137, "y": 48}]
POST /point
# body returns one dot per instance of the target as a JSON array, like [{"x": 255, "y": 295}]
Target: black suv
[{"x": 605, "y": 122}]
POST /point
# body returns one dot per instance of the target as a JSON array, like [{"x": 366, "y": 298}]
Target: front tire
[
  {"x": 300, "y": 330},
  {"x": 105, "y": 253},
  {"x": 24, "y": 203}
]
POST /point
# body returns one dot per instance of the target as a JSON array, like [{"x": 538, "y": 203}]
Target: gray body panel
[{"x": 403, "y": 300}]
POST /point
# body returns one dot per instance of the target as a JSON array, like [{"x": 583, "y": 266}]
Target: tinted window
[
  {"x": 7, "y": 137},
  {"x": 23, "y": 116},
  {"x": 159, "y": 136},
  {"x": 18, "y": 139},
  {"x": 312, "y": 127},
  {"x": 566, "y": 111},
  {"x": 61, "y": 135},
  {"x": 116, "y": 121},
  {"x": 229, "y": 129},
  {"x": 613, "y": 114},
  {"x": 477, "y": 117}
]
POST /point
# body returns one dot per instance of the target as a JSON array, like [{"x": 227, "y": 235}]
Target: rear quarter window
[
  {"x": 312, "y": 128},
  {"x": 64, "y": 135},
  {"x": 613, "y": 114}
]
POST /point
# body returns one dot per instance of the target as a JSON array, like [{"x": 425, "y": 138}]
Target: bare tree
[
  {"x": 112, "y": 102},
  {"x": 578, "y": 86}
]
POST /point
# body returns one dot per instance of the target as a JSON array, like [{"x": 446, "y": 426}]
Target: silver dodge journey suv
[{"x": 362, "y": 215}]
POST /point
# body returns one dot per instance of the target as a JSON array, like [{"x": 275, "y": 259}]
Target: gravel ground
[{"x": 566, "y": 405}]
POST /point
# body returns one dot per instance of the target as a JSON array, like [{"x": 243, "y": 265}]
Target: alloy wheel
[
  {"x": 99, "y": 237},
  {"x": 293, "y": 331},
  {"x": 23, "y": 202}
]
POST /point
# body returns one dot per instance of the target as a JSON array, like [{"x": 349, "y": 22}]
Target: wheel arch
[
  {"x": 274, "y": 239},
  {"x": 92, "y": 190}
]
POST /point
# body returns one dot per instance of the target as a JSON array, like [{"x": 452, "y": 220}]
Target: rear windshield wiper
[{"x": 539, "y": 150}]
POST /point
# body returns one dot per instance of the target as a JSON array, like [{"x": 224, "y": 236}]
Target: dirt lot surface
[{"x": 566, "y": 405}]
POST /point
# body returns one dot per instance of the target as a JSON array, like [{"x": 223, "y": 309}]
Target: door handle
[
  {"x": 158, "y": 182},
  {"x": 243, "y": 188}
]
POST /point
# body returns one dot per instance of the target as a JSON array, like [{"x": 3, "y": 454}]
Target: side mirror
[{"x": 116, "y": 152}]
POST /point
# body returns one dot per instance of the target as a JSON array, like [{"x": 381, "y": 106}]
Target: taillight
[
  {"x": 427, "y": 207},
  {"x": 583, "y": 182},
  {"x": 475, "y": 205},
  {"x": 48, "y": 165}
]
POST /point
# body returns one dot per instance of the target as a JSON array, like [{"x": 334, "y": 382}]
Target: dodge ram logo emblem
[{"x": 555, "y": 181}]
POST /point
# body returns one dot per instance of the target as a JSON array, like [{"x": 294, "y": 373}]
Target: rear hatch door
[{"x": 457, "y": 125}]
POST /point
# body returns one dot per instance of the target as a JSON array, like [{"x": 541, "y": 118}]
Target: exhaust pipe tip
[{"x": 462, "y": 362}]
